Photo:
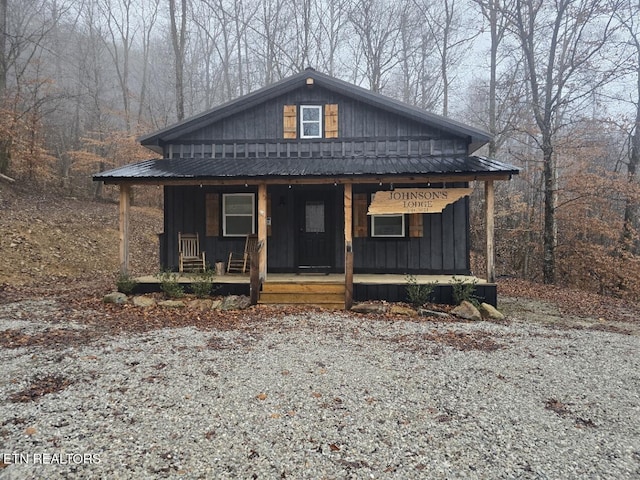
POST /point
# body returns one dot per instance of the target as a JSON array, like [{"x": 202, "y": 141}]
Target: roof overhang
[{"x": 297, "y": 170}]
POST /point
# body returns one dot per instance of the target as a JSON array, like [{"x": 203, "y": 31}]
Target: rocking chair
[
  {"x": 239, "y": 262},
  {"x": 190, "y": 257}
]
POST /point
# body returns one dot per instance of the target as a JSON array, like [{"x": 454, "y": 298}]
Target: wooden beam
[
  {"x": 348, "y": 246},
  {"x": 262, "y": 230},
  {"x": 489, "y": 201},
  {"x": 125, "y": 195},
  {"x": 356, "y": 179}
]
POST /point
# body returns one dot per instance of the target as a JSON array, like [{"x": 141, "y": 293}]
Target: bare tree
[
  {"x": 148, "y": 18},
  {"x": 377, "y": 29},
  {"x": 332, "y": 20},
  {"x": 627, "y": 14},
  {"x": 444, "y": 20},
  {"x": 560, "y": 42},
  {"x": 179, "y": 43},
  {"x": 122, "y": 31}
]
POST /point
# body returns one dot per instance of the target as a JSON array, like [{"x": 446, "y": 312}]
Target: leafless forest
[{"x": 556, "y": 82}]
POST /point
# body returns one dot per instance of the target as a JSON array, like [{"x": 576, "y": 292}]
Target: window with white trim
[
  {"x": 238, "y": 214},
  {"x": 310, "y": 121},
  {"x": 387, "y": 225}
]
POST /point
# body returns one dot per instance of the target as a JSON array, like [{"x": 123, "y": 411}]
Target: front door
[{"x": 315, "y": 233}]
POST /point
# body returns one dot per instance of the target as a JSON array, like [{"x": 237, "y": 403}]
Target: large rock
[
  {"x": 172, "y": 304},
  {"x": 235, "y": 302},
  {"x": 115, "y": 297},
  {"x": 490, "y": 312},
  {"x": 142, "y": 301},
  {"x": 424, "y": 312},
  {"x": 375, "y": 308},
  {"x": 467, "y": 311},
  {"x": 201, "y": 304},
  {"x": 402, "y": 310}
]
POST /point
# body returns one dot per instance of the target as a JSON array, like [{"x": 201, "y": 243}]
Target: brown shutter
[
  {"x": 415, "y": 225},
  {"x": 331, "y": 120},
  {"x": 360, "y": 219},
  {"x": 290, "y": 121},
  {"x": 212, "y": 214}
]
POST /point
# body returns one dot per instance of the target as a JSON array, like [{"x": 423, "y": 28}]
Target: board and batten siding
[
  {"x": 442, "y": 249},
  {"x": 265, "y": 121}
]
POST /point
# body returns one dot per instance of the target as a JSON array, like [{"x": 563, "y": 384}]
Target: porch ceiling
[{"x": 319, "y": 169}]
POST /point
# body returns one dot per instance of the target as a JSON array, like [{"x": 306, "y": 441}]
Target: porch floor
[{"x": 389, "y": 287}]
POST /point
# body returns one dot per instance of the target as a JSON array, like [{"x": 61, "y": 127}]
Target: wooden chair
[
  {"x": 239, "y": 262},
  {"x": 190, "y": 257}
]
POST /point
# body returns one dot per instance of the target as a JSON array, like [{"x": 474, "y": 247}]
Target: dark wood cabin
[{"x": 298, "y": 163}]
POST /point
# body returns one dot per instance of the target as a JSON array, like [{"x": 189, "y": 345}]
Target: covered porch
[{"x": 329, "y": 289}]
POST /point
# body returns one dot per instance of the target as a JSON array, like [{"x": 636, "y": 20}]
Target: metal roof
[{"x": 186, "y": 169}]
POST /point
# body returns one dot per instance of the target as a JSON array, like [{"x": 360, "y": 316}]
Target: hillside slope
[{"x": 46, "y": 240}]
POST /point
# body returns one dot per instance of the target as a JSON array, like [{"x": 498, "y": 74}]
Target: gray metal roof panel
[{"x": 241, "y": 168}]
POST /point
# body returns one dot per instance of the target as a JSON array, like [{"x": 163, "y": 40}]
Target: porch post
[
  {"x": 489, "y": 200},
  {"x": 125, "y": 191},
  {"x": 262, "y": 229},
  {"x": 348, "y": 247}
]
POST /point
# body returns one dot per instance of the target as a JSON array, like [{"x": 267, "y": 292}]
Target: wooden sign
[{"x": 415, "y": 200}]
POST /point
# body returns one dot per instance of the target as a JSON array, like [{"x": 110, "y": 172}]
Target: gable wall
[{"x": 355, "y": 120}]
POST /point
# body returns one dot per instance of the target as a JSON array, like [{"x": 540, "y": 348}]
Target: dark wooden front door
[{"x": 315, "y": 233}]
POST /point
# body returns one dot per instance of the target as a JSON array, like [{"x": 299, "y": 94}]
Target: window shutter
[
  {"x": 360, "y": 219},
  {"x": 212, "y": 214},
  {"x": 290, "y": 121},
  {"x": 416, "y": 229},
  {"x": 331, "y": 120}
]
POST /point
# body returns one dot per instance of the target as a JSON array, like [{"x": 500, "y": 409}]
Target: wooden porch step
[{"x": 321, "y": 294}]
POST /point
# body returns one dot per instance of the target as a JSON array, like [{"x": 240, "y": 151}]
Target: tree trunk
[
  {"x": 630, "y": 239},
  {"x": 178, "y": 41},
  {"x": 5, "y": 152},
  {"x": 3, "y": 47},
  {"x": 550, "y": 235}
]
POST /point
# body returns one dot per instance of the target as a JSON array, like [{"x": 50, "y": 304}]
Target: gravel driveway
[{"x": 319, "y": 395}]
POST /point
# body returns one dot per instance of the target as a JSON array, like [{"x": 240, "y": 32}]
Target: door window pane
[{"x": 314, "y": 217}]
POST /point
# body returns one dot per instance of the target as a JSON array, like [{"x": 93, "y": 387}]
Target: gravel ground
[{"x": 320, "y": 395}]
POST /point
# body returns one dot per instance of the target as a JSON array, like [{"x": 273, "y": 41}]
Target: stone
[
  {"x": 172, "y": 304},
  {"x": 367, "y": 308},
  {"x": 235, "y": 302},
  {"x": 402, "y": 310},
  {"x": 115, "y": 297},
  {"x": 424, "y": 312},
  {"x": 489, "y": 311},
  {"x": 201, "y": 304},
  {"x": 467, "y": 311},
  {"x": 142, "y": 301}
]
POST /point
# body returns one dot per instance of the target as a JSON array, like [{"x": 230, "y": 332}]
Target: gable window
[
  {"x": 311, "y": 121},
  {"x": 238, "y": 214}
]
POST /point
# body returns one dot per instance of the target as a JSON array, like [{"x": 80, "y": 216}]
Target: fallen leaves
[
  {"x": 60, "y": 337},
  {"x": 39, "y": 387},
  {"x": 478, "y": 340},
  {"x": 572, "y": 301}
]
